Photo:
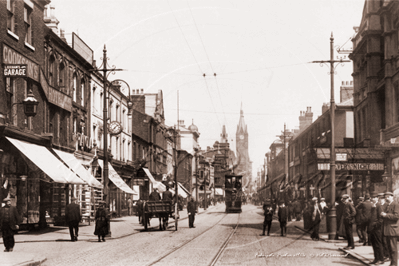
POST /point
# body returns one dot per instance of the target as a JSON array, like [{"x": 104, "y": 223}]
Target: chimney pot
[{"x": 142, "y": 91}]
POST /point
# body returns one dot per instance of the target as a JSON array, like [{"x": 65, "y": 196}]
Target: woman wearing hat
[
  {"x": 9, "y": 222},
  {"x": 102, "y": 221}
]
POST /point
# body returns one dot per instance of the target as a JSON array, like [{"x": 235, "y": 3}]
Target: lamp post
[
  {"x": 30, "y": 106},
  {"x": 332, "y": 214}
]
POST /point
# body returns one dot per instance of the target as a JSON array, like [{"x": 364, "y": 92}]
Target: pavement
[
  {"x": 120, "y": 227},
  {"x": 364, "y": 254}
]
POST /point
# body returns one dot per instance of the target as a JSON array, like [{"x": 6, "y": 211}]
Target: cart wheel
[{"x": 145, "y": 222}]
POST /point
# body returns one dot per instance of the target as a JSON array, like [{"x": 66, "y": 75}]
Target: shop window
[
  {"x": 28, "y": 24},
  {"x": 11, "y": 15}
]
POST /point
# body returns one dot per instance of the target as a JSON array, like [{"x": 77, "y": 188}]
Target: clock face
[
  {"x": 241, "y": 136},
  {"x": 115, "y": 128}
]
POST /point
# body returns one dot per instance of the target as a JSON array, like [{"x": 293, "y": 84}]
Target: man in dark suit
[
  {"x": 382, "y": 207},
  {"x": 9, "y": 223},
  {"x": 297, "y": 209},
  {"x": 167, "y": 195},
  {"x": 154, "y": 196},
  {"x": 358, "y": 219},
  {"x": 268, "y": 212},
  {"x": 348, "y": 216},
  {"x": 73, "y": 217},
  {"x": 365, "y": 216},
  {"x": 374, "y": 230},
  {"x": 283, "y": 218},
  {"x": 191, "y": 210},
  {"x": 391, "y": 227},
  {"x": 340, "y": 206}
]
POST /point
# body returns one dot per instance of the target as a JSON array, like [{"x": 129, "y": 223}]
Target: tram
[{"x": 233, "y": 192}]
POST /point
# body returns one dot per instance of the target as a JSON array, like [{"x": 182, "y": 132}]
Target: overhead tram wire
[
  {"x": 192, "y": 53},
  {"x": 209, "y": 61}
]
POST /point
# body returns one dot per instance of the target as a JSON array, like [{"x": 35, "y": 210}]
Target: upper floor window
[
  {"x": 51, "y": 71},
  {"x": 82, "y": 91},
  {"x": 101, "y": 101},
  {"x": 94, "y": 97},
  {"x": 11, "y": 15},
  {"x": 117, "y": 118},
  {"x": 61, "y": 75},
  {"x": 28, "y": 24},
  {"x": 74, "y": 87}
]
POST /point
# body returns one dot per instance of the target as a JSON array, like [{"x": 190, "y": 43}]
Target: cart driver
[{"x": 154, "y": 196}]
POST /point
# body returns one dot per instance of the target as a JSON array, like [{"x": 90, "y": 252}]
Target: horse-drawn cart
[{"x": 161, "y": 209}]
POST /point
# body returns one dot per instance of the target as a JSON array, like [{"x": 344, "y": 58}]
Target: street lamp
[{"x": 30, "y": 106}]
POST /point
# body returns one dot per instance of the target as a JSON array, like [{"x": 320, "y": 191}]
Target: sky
[{"x": 210, "y": 58}]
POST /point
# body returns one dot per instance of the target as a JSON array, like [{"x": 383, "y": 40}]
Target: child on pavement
[{"x": 283, "y": 218}]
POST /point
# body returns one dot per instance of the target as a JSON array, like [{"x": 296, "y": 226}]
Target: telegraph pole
[{"x": 332, "y": 216}]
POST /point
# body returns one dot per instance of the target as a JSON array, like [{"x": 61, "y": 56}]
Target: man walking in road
[
  {"x": 391, "y": 227},
  {"x": 191, "y": 210},
  {"x": 73, "y": 217},
  {"x": 349, "y": 218},
  {"x": 9, "y": 223},
  {"x": 267, "y": 207},
  {"x": 283, "y": 218}
]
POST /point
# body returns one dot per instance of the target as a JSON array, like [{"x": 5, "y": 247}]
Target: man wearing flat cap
[
  {"x": 382, "y": 207},
  {"x": 361, "y": 232},
  {"x": 374, "y": 230},
  {"x": 391, "y": 227},
  {"x": 349, "y": 218},
  {"x": 283, "y": 218},
  {"x": 73, "y": 217},
  {"x": 365, "y": 215},
  {"x": 9, "y": 223}
]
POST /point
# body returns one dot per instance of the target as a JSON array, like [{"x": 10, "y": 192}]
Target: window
[
  {"x": 28, "y": 24},
  {"x": 75, "y": 125},
  {"x": 101, "y": 101},
  {"x": 82, "y": 91},
  {"x": 123, "y": 150},
  {"x": 74, "y": 87},
  {"x": 51, "y": 71},
  {"x": 10, "y": 15},
  {"x": 117, "y": 118},
  {"x": 61, "y": 75},
  {"x": 94, "y": 97}
]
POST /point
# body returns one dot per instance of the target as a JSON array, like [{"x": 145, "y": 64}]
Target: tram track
[{"x": 186, "y": 243}]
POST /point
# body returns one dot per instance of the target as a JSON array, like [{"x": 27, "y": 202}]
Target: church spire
[{"x": 242, "y": 127}]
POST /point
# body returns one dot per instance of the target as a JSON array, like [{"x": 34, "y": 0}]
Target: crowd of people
[{"x": 376, "y": 216}]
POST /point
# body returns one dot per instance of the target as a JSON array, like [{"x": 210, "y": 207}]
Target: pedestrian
[
  {"x": 290, "y": 211},
  {"x": 348, "y": 216},
  {"x": 140, "y": 206},
  {"x": 340, "y": 206},
  {"x": 129, "y": 206},
  {"x": 191, "y": 210},
  {"x": 268, "y": 213},
  {"x": 73, "y": 216},
  {"x": 324, "y": 207},
  {"x": 358, "y": 220},
  {"x": 391, "y": 227},
  {"x": 382, "y": 207},
  {"x": 374, "y": 229},
  {"x": 282, "y": 218},
  {"x": 154, "y": 196},
  {"x": 316, "y": 213},
  {"x": 9, "y": 223},
  {"x": 167, "y": 195},
  {"x": 102, "y": 222},
  {"x": 365, "y": 216}
]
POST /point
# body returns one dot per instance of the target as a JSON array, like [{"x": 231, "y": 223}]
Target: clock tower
[{"x": 244, "y": 167}]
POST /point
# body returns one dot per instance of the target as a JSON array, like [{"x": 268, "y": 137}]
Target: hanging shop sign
[
  {"x": 353, "y": 166},
  {"x": 15, "y": 70},
  {"x": 54, "y": 96},
  {"x": 341, "y": 157},
  {"x": 12, "y": 57}
]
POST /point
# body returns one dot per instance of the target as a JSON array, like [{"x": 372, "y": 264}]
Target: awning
[
  {"x": 352, "y": 153},
  {"x": 219, "y": 191},
  {"x": 116, "y": 179},
  {"x": 47, "y": 162},
  {"x": 156, "y": 184},
  {"x": 182, "y": 191},
  {"x": 77, "y": 167}
]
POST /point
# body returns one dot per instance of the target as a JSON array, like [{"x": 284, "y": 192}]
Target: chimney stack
[
  {"x": 324, "y": 108},
  {"x": 49, "y": 18},
  {"x": 305, "y": 119},
  {"x": 346, "y": 91}
]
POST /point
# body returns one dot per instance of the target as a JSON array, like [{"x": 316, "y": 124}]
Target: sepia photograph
[{"x": 199, "y": 132}]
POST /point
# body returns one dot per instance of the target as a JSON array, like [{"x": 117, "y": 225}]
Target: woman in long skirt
[{"x": 102, "y": 222}]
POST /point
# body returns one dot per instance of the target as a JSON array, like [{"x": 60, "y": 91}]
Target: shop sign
[
  {"x": 12, "y": 57},
  {"x": 138, "y": 182},
  {"x": 353, "y": 166},
  {"x": 341, "y": 157},
  {"x": 15, "y": 70}
]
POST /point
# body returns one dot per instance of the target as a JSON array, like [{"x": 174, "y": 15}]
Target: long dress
[{"x": 102, "y": 220}]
